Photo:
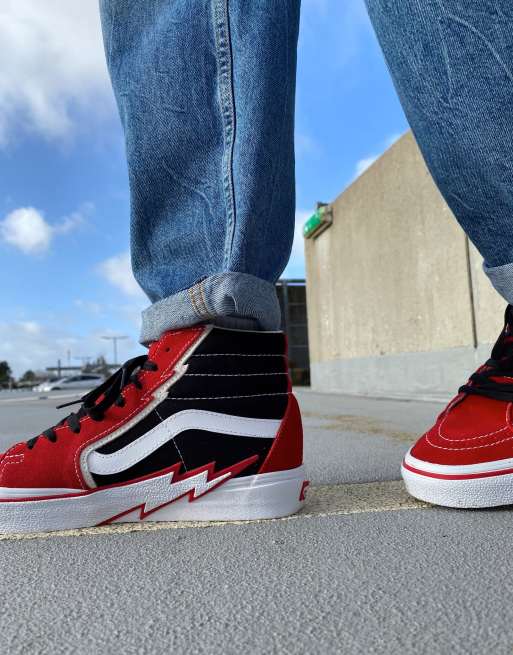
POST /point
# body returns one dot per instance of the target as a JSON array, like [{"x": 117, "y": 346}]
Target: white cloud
[
  {"x": 366, "y": 162},
  {"x": 118, "y": 271},
  {"x": 30, "y": 327},
  {"x": 26, "y": 228},
  {"x": 69, "y": 223},
  {"x": 52, "y": 61}
]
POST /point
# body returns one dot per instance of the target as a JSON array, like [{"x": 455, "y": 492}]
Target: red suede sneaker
[
  {"x": 203, "y": 428},
  {"x": 466, "y": 458}
]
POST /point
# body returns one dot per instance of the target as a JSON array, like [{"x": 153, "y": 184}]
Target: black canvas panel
[
  {"x": 234, "y": 341},
  {"x": 199, "y": 447},
  {"x": 236, "y": 364},
  {"x": 200, "y": 386}
]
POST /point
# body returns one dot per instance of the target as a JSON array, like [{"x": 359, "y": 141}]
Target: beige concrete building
[{"x": 397, "y": 302}]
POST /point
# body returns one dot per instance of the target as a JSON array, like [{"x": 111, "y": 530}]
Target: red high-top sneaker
[
  {"x": 466, "y": 458},
  {"x": 203, "y": 428}
]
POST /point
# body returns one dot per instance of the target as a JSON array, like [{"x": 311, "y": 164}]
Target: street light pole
[{"x": 115, "y": 339}]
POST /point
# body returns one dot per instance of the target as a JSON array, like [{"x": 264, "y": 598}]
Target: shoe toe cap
[{"x": 471, "y": 429}]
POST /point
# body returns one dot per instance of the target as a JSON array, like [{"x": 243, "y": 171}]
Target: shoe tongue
[
  {"x": 506, "y": 347},
  {"x": 503, "y": 351},
  {"x": 504, "y": 344}
]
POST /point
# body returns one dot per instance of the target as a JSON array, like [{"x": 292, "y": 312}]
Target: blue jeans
[
  {"x": 452, "y": 66},
  {"x": 206, "y": 89},
  {"x": 206, "y": 92}
]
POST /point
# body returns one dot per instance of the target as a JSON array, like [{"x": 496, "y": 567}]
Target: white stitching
[
  {"x": 193, "y": 302},
  {"x": 7, "y": 455},
  {"x": 481, "y": 436},
  {"x": 4, "y": 463},
  {"x": 487, "y": 445}
]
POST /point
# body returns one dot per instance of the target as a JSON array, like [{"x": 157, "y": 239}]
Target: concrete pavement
[{"x": 364, "y": 569}]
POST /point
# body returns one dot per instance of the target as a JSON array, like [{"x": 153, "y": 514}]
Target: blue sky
[{"x": 63, "y": 183}]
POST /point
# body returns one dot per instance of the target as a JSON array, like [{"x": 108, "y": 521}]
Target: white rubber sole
[
  {"x": 465, "y": 487},
  {"x": 264, "y": 496}
]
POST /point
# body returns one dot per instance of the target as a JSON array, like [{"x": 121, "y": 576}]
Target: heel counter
[{"x": 287, "y": 449}]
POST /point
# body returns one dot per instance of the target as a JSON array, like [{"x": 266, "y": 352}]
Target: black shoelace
[
  {"x": 111, "y": 390},
  {"x": 483, "y": 382}
]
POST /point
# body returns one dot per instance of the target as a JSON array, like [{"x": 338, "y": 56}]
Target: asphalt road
[{"x": 364, "y": 569}]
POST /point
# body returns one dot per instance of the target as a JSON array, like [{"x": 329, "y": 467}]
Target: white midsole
[
  {"x": 8, "y": 493},
  {"x": 262, "y": 496},
  {"x": 468, "y": 469},
  {"x": 488, "y": 491}
]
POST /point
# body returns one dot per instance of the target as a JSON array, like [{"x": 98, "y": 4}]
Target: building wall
[{"x": 397, "y": 302}]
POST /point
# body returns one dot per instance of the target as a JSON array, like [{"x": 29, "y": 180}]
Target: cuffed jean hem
[
  {"x": 502, "y": 279},
  {"x": 237, "y": 300}
]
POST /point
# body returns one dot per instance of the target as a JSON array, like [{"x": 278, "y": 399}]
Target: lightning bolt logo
[{"x": 173, "y": 486}]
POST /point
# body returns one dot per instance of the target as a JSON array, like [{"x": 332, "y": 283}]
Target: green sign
[{"x": 317, "y": 222}]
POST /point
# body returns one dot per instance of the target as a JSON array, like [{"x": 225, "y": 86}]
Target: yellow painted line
[{"x": 327, "y": 500}]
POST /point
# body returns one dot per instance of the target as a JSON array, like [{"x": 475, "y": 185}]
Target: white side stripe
[{"x": 189, "y": 419}]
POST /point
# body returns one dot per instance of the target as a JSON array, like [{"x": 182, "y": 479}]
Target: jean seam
[
  {"x": 198, "y": 301},
  {"x": 192, "y": 292},
  {"x": 208, "y": 312},
  {"x": 227, "y": 102}
]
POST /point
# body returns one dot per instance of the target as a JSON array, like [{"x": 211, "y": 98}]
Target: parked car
[
  {"x": 40, "y": 386},
  {"x": 82, "y": 381}
]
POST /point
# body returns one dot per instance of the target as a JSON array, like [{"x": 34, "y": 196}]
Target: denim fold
[
  {"x": 501, "y": 278},
  {"x": 230, "y": 299}
]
